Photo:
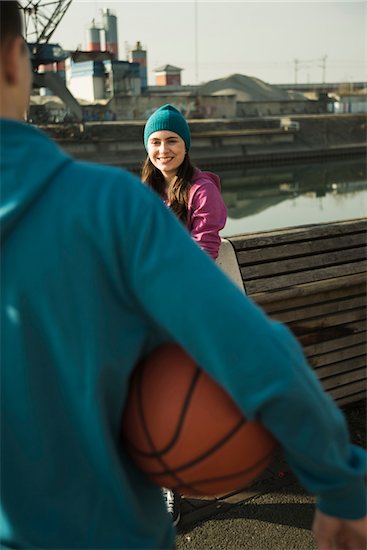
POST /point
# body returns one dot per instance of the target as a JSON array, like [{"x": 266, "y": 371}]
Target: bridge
[{"x": 325, "y": 87}]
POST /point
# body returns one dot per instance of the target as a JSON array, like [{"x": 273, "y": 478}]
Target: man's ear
[{"x": 11, "y": 59}]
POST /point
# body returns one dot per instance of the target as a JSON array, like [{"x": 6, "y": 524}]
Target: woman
[{"x": 193, "y": 195}]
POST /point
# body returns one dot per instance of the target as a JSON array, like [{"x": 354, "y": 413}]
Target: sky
[{"x": 214, "y": 39}]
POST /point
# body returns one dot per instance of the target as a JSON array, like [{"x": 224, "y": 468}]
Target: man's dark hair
[{"x": 10, "y": 20}]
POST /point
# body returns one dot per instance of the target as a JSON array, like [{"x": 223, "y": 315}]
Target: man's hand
[{"x": 332, "y": 533}]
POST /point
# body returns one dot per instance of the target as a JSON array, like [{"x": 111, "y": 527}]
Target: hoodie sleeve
[
  {"x": 256, "y": 359},
  {"x": 207, "y": 215}
]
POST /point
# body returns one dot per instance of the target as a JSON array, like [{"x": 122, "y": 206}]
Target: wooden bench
[{"x": 312, "y": 278}]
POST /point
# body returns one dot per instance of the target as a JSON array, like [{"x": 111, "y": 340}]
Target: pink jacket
[{"x": 207, "y": 213}]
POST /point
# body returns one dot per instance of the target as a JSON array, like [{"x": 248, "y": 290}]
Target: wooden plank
[
  {"x": 330, "y": 321},
  {"x": 306, "y": 276},
  {"x": 293, "y": 265},
  {"x": 348, "y": 389},
  {"x": 335, "y": 344},
  {"x": 336, "y": 361},
  {"x": 295, "y": 234},
  {"x": 319, "y": 310},
  {"x": 335, "y": 369},
  {"x": 308, "y": 289},
  {"x": 351, "y": 398},
  {"x": 287, "y": 304},
  {"x": 344, "y": 378},
  {"x": 299, "y": 233},
  {"x": 265, "y": 254},
  {"x": 330, "y": 333}
]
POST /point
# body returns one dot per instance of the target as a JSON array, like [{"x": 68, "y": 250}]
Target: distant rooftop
[
  {"x": 80, "y": 55},
  {"x": 168, "y": 69},
  {"x": 246, "y": 88},
  {"x": 170, "y": 89}
]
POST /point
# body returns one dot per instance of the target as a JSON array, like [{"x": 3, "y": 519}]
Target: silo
[
  {"x": 138, "y": 55},
  {"x": 109, "y": 23},
  {"x": 93, "y": 38}
]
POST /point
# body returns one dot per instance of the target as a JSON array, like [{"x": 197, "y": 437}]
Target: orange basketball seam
[
  {"x": 212, "y": 449},
  {"x": 156, "y": 454},
  {"x": 207, "y": 453},
  {"x": 239, "y": 473},
  {"x": 175, "y": 436},
  {"x": 192, "y": 485}
]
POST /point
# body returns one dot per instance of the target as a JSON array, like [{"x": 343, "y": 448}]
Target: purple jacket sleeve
[{"x": 207, "y": 213}]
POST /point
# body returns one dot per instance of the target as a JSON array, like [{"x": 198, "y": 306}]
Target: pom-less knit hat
[{"x": 167, "y": 118}]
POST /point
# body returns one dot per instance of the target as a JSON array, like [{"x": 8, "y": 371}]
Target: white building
[{"x": 93, "y": 80}]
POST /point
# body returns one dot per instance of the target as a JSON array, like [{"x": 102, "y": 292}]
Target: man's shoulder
[
  {"x": 98, "y": 172},
  {"x": 104, "y": 186},
  {"x": 101, "y": 178}
]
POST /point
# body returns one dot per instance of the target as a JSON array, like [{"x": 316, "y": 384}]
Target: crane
[{"x": 41, "y": 18}]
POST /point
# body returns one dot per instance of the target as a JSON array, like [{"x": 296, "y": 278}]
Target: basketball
[{"x": 186, "y": 433}]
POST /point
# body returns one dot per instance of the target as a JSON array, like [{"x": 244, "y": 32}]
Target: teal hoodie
[{"x": 96, "y": 272}]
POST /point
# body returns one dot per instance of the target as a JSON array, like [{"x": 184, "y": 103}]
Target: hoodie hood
[
  {"x": 207, "y": 213},
  {"x": 28, "y": 162},
  {"x": 200, "y": 175}
]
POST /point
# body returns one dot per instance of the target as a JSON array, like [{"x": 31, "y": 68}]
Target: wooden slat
[
  {"x": 356, "y": 386},
  {"x": 308, "y": 289},
  {"x": 335, "y": 344},
  {"x": 329, "y": 321},
  {"x": 277, "y": 252},
  {"x": 292, "y": 266},
  {"x": 351, "y": 398},
  {"x": 330, "y": 333},
  {"x": 320, "y": 309},
  {"x": 305, "y": 276},
  {"x": 344, "y": 378},
  {"x": 287, "y": 304},
  {"x": 337, "y": 360},
  {"x": 335, "y": 382},
  {"x": 296, "y": 234}
]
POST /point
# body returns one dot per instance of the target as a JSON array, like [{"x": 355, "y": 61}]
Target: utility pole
[
  {"x": 323, "y": 65},
  {"x": 196, "y": 44},
  {"x": 296, "y": 70}
]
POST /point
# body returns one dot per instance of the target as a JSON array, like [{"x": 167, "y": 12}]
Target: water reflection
[{"x": 293, "y": 194}]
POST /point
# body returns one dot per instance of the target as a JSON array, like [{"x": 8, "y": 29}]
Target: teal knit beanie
[{"x": 167, "y": 118}]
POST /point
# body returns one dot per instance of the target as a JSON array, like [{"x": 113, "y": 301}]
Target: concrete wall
[
  {"x": 206, "y": 107},
  {"x": 271, "y": 108},
  {"x": 141, "y": 107},
  {"x": 219, "y": 143}
]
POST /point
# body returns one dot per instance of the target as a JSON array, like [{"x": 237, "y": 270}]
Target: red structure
[{"x": 168, "y": 75}]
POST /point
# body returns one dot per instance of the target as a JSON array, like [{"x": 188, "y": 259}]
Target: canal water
[{"x": 273, "y": 197}]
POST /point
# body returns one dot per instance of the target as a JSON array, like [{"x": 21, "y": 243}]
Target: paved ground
[{"x": 274, "y": 513}]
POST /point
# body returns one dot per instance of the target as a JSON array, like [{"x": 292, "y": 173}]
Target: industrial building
[
  {"x": 99, "y": 73},
  {"x": 92, "y": 80},
  {"x": 100, "y": 86}
]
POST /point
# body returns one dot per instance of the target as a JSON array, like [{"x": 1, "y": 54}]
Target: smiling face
[{"x": 166, "y": 152}]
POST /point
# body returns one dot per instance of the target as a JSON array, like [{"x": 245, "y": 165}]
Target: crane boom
[{"x": 41, "y": 18}]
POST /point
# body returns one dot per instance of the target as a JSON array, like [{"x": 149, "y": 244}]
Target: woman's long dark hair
[{"x": 177, "y": 192}]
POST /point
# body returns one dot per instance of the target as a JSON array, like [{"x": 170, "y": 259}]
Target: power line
[
  {"x": 307, "y": 64},
  {"x": 196, "y": 43}
]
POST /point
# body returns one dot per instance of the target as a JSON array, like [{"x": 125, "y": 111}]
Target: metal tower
[{"x": 41, "y": 17}]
